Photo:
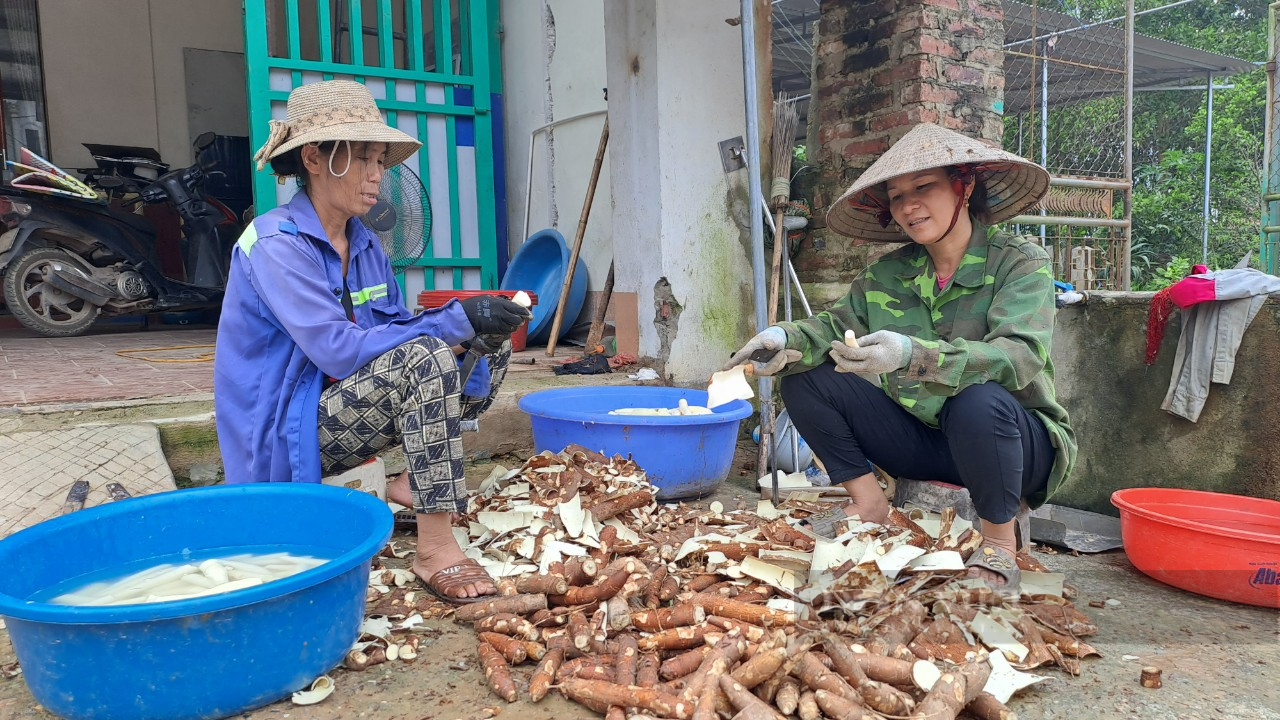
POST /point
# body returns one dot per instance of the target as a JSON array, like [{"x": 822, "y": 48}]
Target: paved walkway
[
  {"x": 38, "y": 468},
  {"x": 36, "y": 370}
]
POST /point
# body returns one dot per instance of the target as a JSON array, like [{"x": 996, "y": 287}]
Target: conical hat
[
  {"x": 1013, "y": 183},
  {"x": 334, "y": 110}
]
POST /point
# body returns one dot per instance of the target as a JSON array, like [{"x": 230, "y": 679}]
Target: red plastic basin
[
  {"x": 1215, "y": 544},
  {"x": 437, "y": 298}
]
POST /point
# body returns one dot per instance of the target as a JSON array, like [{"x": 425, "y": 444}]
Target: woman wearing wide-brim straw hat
[
  {"x": 955, "y": 330},
  {"x": 319, "y": 364}
]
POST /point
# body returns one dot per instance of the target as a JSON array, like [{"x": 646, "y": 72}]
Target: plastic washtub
[
  {"x": 684, "y": 456},
  {"x": 429, "y": 299},
  {"x": 209, "y": 657},
  {"x": 539, "y": 266},
  {"x": 1215, "y": 544}
]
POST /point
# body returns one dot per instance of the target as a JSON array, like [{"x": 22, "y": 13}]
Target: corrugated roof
[{"x": 1089, "y": 62}]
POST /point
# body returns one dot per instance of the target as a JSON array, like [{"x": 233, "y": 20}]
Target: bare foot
[
  {"x": 437, "y": 549},
  {"x": 867, "y": 499},
  {"x": 398, "y": 490}
]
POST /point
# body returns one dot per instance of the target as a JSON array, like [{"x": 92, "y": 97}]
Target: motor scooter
[{"x": 66, "y": 261}]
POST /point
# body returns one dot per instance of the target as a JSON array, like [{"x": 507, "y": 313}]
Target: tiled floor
[{"x": 37, "y": 370}]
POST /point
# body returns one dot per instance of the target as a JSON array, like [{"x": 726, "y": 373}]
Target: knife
[
  {"x": 117, "y": 491},
  {"x": 76, "y": 497}
]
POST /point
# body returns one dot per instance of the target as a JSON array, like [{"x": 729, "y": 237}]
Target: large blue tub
[
  {"x": 540, "y": 266},
  {"x": 209, "y": 657},
  {"x": 684, "y": 456}
]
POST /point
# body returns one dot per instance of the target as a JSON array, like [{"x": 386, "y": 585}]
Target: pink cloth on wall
[{"x": 1191, "y": 290}]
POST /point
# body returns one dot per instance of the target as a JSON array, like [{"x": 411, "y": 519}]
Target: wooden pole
[
  {"x": 779, "y": 237},
  {"x": 577, "y": 240},
  {"x": 602, "y": 306}
]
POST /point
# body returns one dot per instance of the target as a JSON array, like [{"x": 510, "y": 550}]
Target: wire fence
[{"x": 1064, "y": 104}]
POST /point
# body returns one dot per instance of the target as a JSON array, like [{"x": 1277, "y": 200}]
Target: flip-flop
[
  {"x": 464, "y": 573},
  {"x": 1002, "y": 563},
  {"x": 824, "y": 523}
]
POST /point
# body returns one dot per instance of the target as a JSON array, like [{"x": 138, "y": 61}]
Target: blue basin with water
[
  {"x": 202, "y": 658},
  {"x": 683, "y": 456}
]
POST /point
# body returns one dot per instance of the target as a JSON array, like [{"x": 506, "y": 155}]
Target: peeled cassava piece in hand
[{"x": 494, "y": 315}]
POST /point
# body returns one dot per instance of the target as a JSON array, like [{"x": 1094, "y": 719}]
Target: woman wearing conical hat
[
  {"x": 319, "y": 364},
  {"x": 951, "y": 377}
]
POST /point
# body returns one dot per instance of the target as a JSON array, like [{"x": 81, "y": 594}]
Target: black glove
[{"x": 494, "y": 315}]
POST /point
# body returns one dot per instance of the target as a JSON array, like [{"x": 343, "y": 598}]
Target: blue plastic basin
[
  {"x": 684, "y": 456},
  {"x": 539, "y": 266},
  {"x": 209, "y": 657}
]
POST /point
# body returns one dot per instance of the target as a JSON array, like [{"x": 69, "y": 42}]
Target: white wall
[
  {"x": 676, "y": 91},
  {"x": 114, "y": 71},
  {"x": 204, "y": 24},
  {"x": 553, "y": 68}
]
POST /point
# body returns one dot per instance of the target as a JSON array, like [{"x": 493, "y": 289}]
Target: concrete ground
[{"x": 1220, "y": 660}]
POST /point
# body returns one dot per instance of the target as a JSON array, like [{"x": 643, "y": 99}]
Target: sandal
[
  {"x": 1002, "y": 563},
  {"x": 464, "y": 573}
]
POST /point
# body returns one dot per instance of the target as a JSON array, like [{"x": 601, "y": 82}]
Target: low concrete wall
[{"x": 1126, "y": 440}]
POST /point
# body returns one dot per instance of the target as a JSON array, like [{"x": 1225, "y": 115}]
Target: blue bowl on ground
[
  {"x": 683, "y": 456},
  {"x": 539, "y": 266},
  {"x": 203, "y": 658}
]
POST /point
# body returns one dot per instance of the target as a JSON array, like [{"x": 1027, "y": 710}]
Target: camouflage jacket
[{"x": 993, "y": 322}]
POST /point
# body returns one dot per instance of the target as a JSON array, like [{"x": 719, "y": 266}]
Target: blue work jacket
[{"x": 283, "y": 329}]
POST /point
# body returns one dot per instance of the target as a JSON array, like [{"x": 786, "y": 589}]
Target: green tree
[{"x": 1169, "y": 132}]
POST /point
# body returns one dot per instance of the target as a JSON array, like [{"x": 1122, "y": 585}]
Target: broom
[
  {"x": 784, "y": 132},
  {"x": 785, "y": 120}
]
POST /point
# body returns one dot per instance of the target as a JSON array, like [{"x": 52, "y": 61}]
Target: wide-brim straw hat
[
  {"x": 333, "y": 110},
  {"x": 1013, "y": 183}
]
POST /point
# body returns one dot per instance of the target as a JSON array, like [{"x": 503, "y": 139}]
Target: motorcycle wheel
[{"x": 39, "y": 305}]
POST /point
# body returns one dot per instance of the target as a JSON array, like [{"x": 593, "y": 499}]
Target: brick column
[{"x": 881, "y": 67}]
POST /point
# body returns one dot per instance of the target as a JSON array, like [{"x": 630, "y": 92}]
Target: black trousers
[{"x": 986, "y": 441}]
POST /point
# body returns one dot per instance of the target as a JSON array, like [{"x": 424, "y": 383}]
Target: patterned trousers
[{"x": 410, "y": 394}]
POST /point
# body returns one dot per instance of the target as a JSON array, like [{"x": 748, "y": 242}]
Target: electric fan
[{"x": 402, "y": 216}]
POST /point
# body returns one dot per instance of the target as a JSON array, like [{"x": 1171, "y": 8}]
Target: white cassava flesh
[
  {"x": 183, "y": 581},
  {"x": 319, "y": 690}
]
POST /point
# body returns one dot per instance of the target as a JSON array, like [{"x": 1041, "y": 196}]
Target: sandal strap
[
  {"x": 999, "y": 561},
  {"x": 464, "y": 573}
]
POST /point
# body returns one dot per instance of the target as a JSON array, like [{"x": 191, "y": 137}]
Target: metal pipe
[
  {"x": 751, "y": 100},
  {"x": 1208, "y": 170},
  {"x": 528, "y": 177},
  {"x": 1126, "y": 17},
  {"x": 1198, "y": 88},
  {"x": 1044, "y": 123},
  {"x": 1071, "y": 182},
  {"x": 1068, "y": 220},
  {"x": 1125, "y": 279},
  {"x": 795, "y": 280},
  {"x": 1271, "y": 211}
]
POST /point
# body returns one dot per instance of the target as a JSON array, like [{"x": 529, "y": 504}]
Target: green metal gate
[{"x": 430, "y": 66}]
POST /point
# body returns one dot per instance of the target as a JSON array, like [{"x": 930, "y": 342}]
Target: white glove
[
  {"x": 883, "y": 351},
  {"x": 772, "y": 340}
]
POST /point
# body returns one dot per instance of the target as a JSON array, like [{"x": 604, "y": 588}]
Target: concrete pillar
[
  {"x": 675, "y": 91},
  {"x": 881, "y": 67}
]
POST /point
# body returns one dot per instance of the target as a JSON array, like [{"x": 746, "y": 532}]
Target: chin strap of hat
[
  {"x": 869, "y": 203},
  {"x": 962, "y": 176}
]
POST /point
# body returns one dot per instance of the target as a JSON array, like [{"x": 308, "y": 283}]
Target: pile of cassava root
[{"x": 635, "y": 609}]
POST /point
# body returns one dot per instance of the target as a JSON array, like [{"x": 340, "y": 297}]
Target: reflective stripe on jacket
[{"x": 283, "y": 330}]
